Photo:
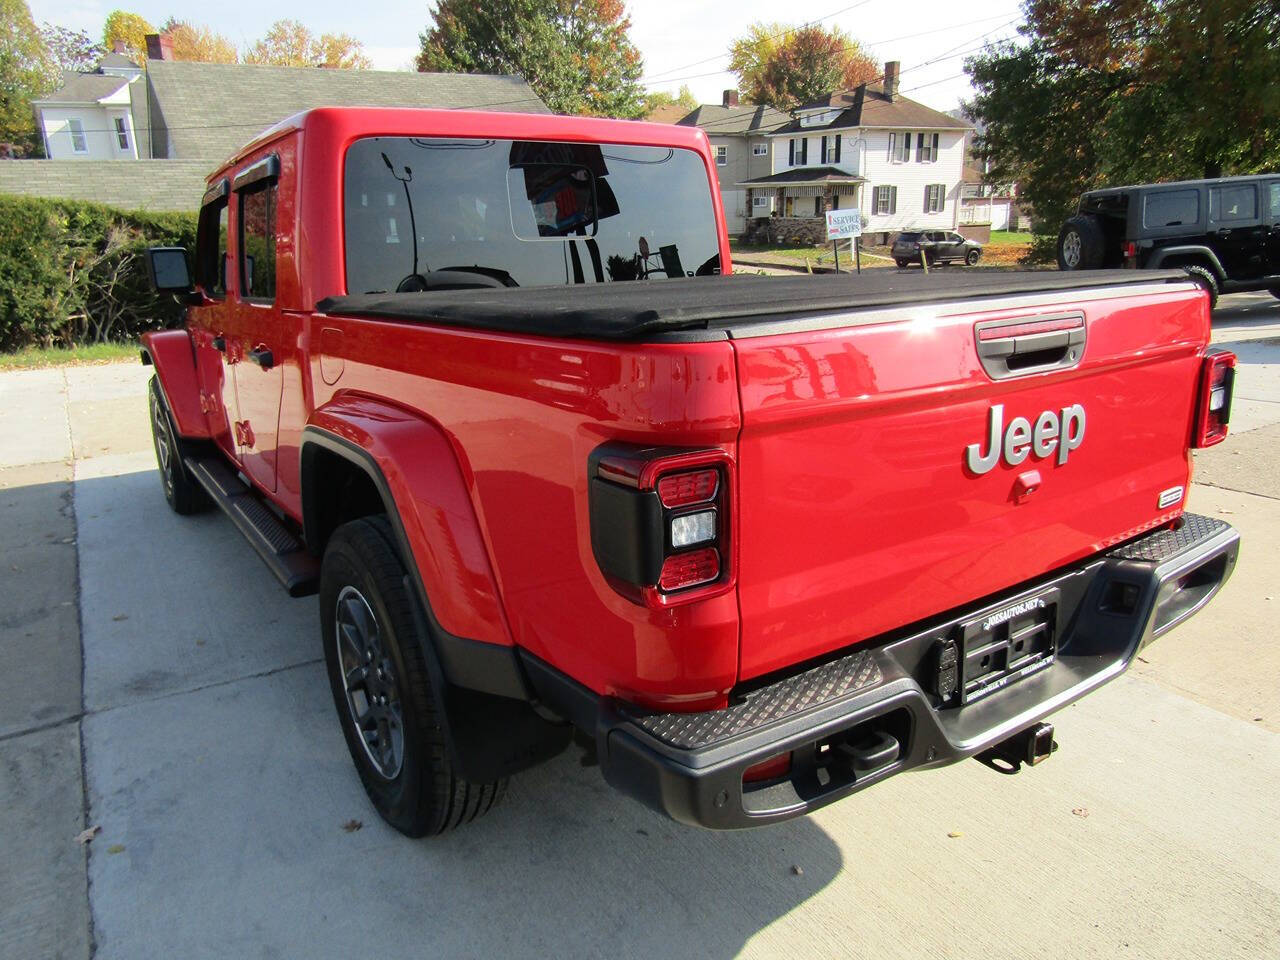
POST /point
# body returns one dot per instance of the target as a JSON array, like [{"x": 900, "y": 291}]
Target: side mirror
[{"x": 168, "y": 269}]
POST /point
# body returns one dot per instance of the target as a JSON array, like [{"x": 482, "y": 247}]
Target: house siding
[
  {"x": 912, "y": 178},
  {"x": 740, "y": 164}
]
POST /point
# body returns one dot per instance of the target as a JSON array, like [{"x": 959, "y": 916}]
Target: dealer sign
[{"x": 844, "y": 224}]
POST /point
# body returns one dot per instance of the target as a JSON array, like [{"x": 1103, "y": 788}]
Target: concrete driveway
[{"x": 162, "y": 688}]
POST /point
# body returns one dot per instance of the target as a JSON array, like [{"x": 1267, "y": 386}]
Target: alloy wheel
[
  {"x": 1071, "y": 249},
  {"x": 368, "y": 679}
]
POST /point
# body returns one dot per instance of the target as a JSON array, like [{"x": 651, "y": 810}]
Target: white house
[
  {"x": 90, "y": 117},
  {"x": 900, "y": 162}
]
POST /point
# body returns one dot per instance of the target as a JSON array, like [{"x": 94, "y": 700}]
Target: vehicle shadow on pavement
[{"x": 233, "y": 822}]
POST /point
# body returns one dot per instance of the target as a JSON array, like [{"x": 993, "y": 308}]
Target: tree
[
  {"x": 72, "y": 50},
  {"x": 576, "y": 54},
  {"x": 129, "y": 29},
  {"x": 1107, "y": 92},
  {"x": 27, "y": 71},
  {"x": 658, "y": 99},
  {"x": 195, "y": 42},
  {"x": 749, "y": 54},
  {"x": 289, "y": 43},
  {"x": 784, "y": 67}
]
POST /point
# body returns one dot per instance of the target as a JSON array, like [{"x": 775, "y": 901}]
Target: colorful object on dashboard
[
  {"x": 660, "y": 522},
  {"x": 1213, "y": 402}
]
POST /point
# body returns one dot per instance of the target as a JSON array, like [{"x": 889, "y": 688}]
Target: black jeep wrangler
[{"x": 1225, "y": 233}]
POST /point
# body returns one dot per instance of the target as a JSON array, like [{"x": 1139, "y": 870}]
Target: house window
[
  {"x": 926, "y": 148},
  {"x": 759, "y": 203},
  {"x": 122, "y": 134},
  {"x": 935, "y": 196},
  {"x": 79, "y": 144},
  {"x": 760, "y": 150},
  {"x": 722, "y": 156},
  {"x": 885, "y": 200},
  {"x": 831, "y": 149},
  {"x": 817, "y": 207},
  {"x": 799, "y": 151},
  {"x": 258, "y": 241},
  {"x": 900, "y": 147}
]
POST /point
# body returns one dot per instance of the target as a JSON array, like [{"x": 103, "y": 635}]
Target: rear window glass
[
  {"x": 524, "y": 213},
  {"x": 1233, "y": 203},
  {"x": 1171, "y": 208},
  {"x": 909, "y": 237}
]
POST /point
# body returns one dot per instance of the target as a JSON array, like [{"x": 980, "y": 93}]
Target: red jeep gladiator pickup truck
[{"x": 483, "y": 383}]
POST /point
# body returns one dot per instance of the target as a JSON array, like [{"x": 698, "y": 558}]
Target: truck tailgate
[{"x": 861, "y": 510}]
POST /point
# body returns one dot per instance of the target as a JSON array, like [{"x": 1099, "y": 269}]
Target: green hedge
[{"x": 73, "y": 273}]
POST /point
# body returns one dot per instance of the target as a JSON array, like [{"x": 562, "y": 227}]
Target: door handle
[
  {"x": 262, "y": 357},
  {"x": 220, "y": 344}
]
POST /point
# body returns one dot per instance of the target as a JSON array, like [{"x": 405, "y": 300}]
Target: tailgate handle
[{"x": 1025, "y": 345}]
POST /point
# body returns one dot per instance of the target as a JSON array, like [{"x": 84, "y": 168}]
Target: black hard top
[
  {"x": 632, "y": 311},
  {"x": 1244, "y": 178}
]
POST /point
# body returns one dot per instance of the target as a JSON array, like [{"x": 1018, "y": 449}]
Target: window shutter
[
  {"x": 804, "y": 151},
  {"x": 919, "y": 148},
  {"x": 837, "y": 148},
  {"x": 928, "y": 196},
  {"x": 823, "y": 157},
  {"x": 791, "y": 156},
  {"x": 893, "y": 147},
  {"x": 934, "y": 155},
  {"x": 893, "y": 199}
]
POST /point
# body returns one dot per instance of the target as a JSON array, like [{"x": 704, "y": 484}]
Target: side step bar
[{"x": 286, "y": 556}]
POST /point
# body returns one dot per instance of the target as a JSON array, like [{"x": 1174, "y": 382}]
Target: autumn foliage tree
[
  {"x": 130, "y": 30},
  {"x": 289, "y": 43},
  {"x": 786, "y": 66},
  {"x": 193, "y": 41},
  {"x": 576, "y": 54},
  {"x": 1108, "y": 92},
  {"x": 27, "y": 71}
]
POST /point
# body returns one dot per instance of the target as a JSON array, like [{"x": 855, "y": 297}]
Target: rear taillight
[
  {"x": 1130, "y": 250},
  {"x": 660, "y": 522},
  {"x": 1213, "y": 401}
]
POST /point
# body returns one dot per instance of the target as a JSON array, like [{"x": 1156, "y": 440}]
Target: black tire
[
  {"x": 419, "y": 795},
  {"x": 972, "y": 257},
  {"x": 903, "y": 264},
  {"x": 183, "y": 494},
  {"x": 1081, "y": 244},
  {"x": 1203, "y": 277}
]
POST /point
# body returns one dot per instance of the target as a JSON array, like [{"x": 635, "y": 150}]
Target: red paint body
[{"x": 852, "y": 512}]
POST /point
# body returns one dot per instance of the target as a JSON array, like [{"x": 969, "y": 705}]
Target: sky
[{"x": 682, "y": 41}]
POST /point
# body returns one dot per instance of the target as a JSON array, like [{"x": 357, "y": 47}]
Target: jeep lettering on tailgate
[{"x": 1063, "y": 431}]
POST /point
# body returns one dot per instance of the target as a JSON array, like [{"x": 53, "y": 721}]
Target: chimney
[
  {"x": 159, "y": 47},
  {"x": 730, "y": 98},
  {"x": 891, "y": 79}
]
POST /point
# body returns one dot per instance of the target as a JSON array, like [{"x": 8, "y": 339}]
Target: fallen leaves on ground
[
  {"x": 116, "y": 848},
  {"x": 351, "y": 826},
  {"x": 121, "y": 616},
  {"x": 1081, "y": 812},
  {"x": 797, "y": 870},
  {"x": 86, "y": 836},
  {"x": 955, "y": 834}
]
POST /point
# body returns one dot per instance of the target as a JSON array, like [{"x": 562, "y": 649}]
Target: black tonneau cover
[{"x": 630, "y": 311}]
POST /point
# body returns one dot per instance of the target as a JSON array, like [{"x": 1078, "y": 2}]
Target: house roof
[
  {"x": 868, "y": 106},
  {"x": 118, "y": 60},
  {"x": 668, "y": 113},
  {"x": 744, "y": 119},
  {"x": 804, "y": 175},
  {"x": 84, "y": 88},
  {"x": 210, "y": 110}
]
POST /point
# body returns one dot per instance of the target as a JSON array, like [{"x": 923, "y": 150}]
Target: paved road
[{"x": 202, "y": 741}]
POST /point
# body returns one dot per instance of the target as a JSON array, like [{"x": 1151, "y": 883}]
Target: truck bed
[{"x": 635, "y": 311}]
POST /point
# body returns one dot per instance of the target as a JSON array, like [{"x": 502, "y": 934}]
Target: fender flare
[
  {"x": 1194, "y": 250},
  {"x": 443, "y": 552},
  {"x": 492, "y": 728},
  {"x": 173, "y": 355}
]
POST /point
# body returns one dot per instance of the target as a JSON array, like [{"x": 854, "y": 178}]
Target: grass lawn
[
  {"x": 33, "y": 357},
  {"x": 1003, "y": 237},
  {"x": 786, "y": 253}
]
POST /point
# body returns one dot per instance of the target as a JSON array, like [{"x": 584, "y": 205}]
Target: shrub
[{"x": 73, "y": 273}]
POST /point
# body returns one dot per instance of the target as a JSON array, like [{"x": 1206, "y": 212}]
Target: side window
[
  {"x": 1274, "y": 189},
  {"x": 1234, "y": 203},
  {"x": 211, "y": 248},
  {"x": 258, "y": 241},
  {"x": 1171, "y": 208}
]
